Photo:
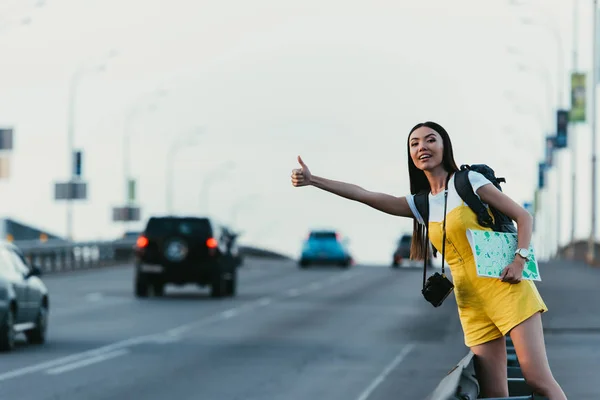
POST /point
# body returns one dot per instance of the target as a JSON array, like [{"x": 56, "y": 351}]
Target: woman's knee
[{"x": 539, "y": 378}]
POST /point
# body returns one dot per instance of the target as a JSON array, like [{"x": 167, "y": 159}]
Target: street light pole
[
  {"x": 592, "y": 239},
  {"x": 573, "y": 136},
  {"x": 175, "y": 146},
  {"x": 127, "y": 132},
  {"x": 72, "y": 98},
  {"x": 75, "y": 79},
  {"x": 207, "y": 182}
]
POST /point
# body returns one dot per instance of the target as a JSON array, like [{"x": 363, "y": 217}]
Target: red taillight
[
  {"x": 338, "y": 237},
  {"x": 141, "y": 242},
  {"x": 212, "y": 243}
]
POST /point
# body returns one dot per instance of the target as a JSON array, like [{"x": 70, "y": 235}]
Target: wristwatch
[{"x": 523, "y": 253}]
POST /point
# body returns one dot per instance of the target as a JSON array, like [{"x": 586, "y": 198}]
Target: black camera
[{"x": 437, "y": 288}]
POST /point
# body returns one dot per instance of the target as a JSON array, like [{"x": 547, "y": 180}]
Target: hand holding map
[{"x": 493, "y": 251}]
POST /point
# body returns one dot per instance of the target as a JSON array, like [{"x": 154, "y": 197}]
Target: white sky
[{"x": 339, "y": 82}]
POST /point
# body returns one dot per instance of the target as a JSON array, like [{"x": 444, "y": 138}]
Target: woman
[{"x": 488, "y": 308}]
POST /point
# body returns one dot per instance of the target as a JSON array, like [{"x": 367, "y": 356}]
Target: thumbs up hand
[{"x": 301, "y": 176}]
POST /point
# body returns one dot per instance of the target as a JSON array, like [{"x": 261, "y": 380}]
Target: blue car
[{"x": 325, "y": 247}]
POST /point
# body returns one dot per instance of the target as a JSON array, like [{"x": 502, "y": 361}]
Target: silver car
[{"x": 24, "y": 302}]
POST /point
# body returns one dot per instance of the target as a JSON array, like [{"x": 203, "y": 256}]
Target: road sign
[
  {"x": 6, "y": 138},
  {"x": 70, "y": 190},
  {"x": 578, "y": 97},
  {"x": 4, "y": 166},
  {"x": 126, "y": 214},
  {"x": 131, "y": 190}
]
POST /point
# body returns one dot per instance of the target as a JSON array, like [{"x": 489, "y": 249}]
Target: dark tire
[
  {"x": 219, "y": 286},
  {"x": 232, "y": 284},
  {"x": 7, "y": 331},
  {"x": 37, "y": 335},
  {"x": 158, "y": 288},
  {"x": 303, "y": 264},
  {"x": 142, "y": 284}
]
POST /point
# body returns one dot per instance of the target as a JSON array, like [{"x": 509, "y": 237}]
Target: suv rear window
[
  {"x": 323, "y": 235},
  {"x": 181, "y": 226}
]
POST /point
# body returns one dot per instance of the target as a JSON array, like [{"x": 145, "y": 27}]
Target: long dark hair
[{"x": 419, "y": 183}]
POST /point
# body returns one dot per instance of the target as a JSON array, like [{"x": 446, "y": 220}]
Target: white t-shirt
[{"x": 436, "y": 202}]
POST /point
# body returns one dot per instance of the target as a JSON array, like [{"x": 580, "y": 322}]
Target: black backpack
[{"x": 500, "y": 223}]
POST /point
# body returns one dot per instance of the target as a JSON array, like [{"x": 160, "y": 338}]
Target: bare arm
[
  {"x": 495, "y": 198},
  {"x": 380, "y": 201}
]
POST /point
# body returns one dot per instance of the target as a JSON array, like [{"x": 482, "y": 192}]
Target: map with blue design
[{"x": 493, "y": 251}]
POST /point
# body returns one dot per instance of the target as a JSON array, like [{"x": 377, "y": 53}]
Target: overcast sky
[{"x": 339, "y": 82}]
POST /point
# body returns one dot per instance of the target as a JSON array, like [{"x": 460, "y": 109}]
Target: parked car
[
  {"x": 24, "y": 299},
  {"x": 401, "y": 256},
  {"x": 182, "y": 250},
  {"x": 325, "y": 247}
]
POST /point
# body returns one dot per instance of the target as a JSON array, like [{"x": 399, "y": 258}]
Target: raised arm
[{"x": 380, "y": 201}]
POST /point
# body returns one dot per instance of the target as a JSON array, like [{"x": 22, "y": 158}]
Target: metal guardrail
[
  {"x": 59, "y": 255},
  {"x": 55, "y": 256},
  {"x": 461, "y": 382}
]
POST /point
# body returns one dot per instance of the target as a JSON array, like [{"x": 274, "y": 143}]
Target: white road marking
[
  {"x": 381, "y": 377},
  {"x": 174, "y": 334},
  {"x": 87, "y": 361},
  {"x": 94, "y": 296},
  {"x": 230, "y": 313},
  {"x": 74, "y": 357},
  {"x": 264, "y": 302}
]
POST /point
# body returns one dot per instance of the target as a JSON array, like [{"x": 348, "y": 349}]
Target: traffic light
[
  {"x": 77, "y": 163},
  {"x": 541, "y": 175},
  {"x": 562, "y": 122}
]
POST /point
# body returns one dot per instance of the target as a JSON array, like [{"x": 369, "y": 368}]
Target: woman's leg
[
  {"x": 528, "y": 339},
  {"x": 490, "y": 367}
]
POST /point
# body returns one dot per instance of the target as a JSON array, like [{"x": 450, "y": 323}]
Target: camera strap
[{"x": 426, "y": 258}]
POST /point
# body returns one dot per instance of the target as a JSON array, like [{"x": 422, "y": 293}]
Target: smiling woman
[{"x": 489, "y": 308}]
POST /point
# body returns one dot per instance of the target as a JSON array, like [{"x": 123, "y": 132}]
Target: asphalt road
[
  {"x": 572, "y": 326},
  {"x": 358, "y": 334}
]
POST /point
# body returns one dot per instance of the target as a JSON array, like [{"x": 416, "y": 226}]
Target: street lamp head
[
  {"x": 509, "y": 94},
  {"x": 113, "y": 53},
  {"x": 512, "y": 50},
  {"x": 198, "y": 130},
  {"x": 162, "y": 92},
  {"x": 522, "y": 67},
  {"x": 526, "y": 21}
]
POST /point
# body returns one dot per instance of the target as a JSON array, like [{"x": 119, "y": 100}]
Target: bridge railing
[
  {"x": 461, "y": 381},
  {"x": 56, "y": 256}
]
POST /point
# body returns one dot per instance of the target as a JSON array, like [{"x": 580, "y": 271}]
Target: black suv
[{"x": 183, "y": 250}]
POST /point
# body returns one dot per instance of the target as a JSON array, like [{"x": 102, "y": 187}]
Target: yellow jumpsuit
[{"x": 488, "y": 308}]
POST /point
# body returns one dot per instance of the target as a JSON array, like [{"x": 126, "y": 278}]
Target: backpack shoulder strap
[
  {"x": 422, "y": 204},
  {"x": 466, "y": 193}
]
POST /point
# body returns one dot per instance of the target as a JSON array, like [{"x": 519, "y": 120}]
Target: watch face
[{"x": 524, "y": 253}]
